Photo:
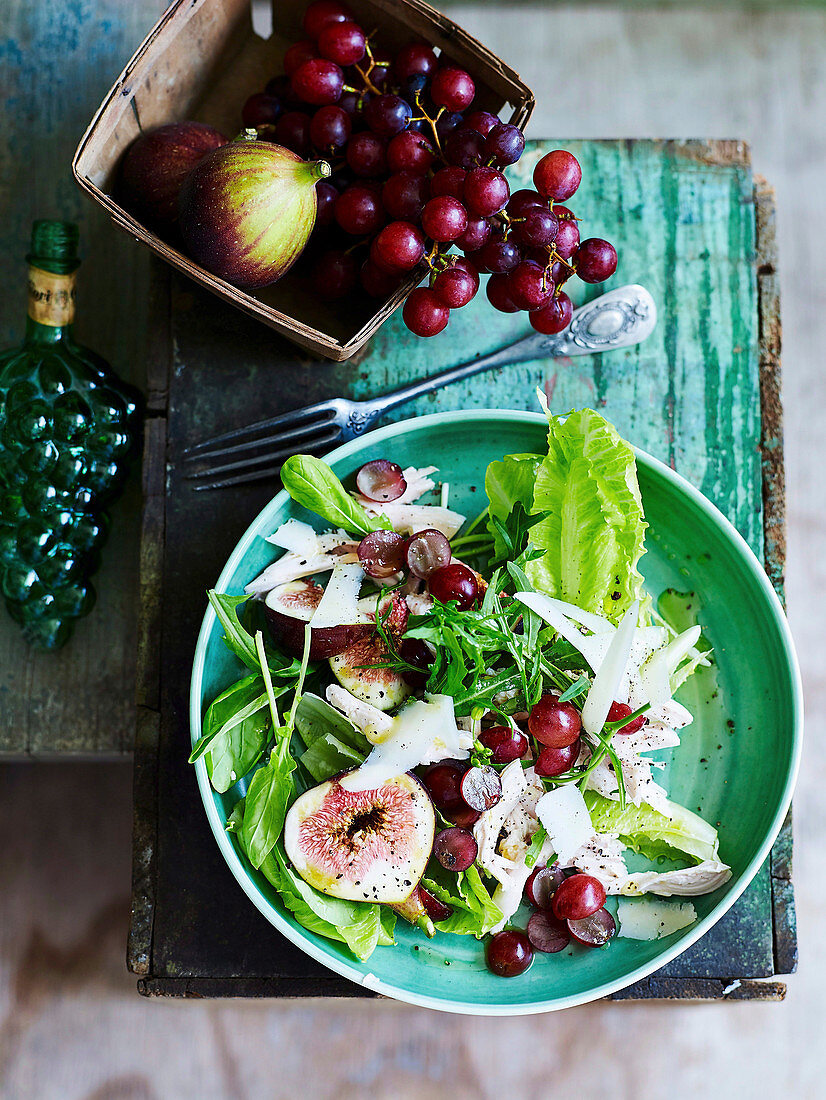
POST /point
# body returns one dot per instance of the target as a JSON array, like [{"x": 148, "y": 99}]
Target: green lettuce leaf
[
  {"x": 592, "y": 526},
  {"x": 474, "y": 912},
  {"x": 333, "y": 743},
  {"x": 676, "y": 835},
  {"x": 509, "y": 484}
]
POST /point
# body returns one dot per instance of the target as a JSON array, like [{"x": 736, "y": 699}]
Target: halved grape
[
  {"x": 621, "y": 710},
  {"x": 548, "y": 934},
  {"x": 381, "y": 553},
  {"x": 455, "y": 848},
  {"x": 427, "y": 551},
  {"x": 541, "y": 886},
  {"x": 594, "y": 931},
  {"x": 435, "y": 909},
  {"x": 381, "y": 480},
  {"x": 481, "y": 787}
]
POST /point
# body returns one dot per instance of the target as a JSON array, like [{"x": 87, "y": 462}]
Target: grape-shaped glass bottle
[{"x": 67, "y": 427}]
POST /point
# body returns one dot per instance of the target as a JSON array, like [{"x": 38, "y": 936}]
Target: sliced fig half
[
  {"x": 362, "y": 845},
  {"x": 289, "y": 607},
  {"x": 361, "y": 668}
]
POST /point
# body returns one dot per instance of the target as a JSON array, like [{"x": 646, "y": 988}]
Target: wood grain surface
[
  {"x": 56, "y": 63},
  {"x": 685, "y": 213}
]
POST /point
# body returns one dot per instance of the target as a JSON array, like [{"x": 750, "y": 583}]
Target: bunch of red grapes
[{"x": 416, "y": 172}]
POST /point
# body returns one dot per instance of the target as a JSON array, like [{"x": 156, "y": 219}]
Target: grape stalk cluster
[{"x": 417, "y": 172}]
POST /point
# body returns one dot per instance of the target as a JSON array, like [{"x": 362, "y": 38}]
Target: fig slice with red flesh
[
  {"x": 360, "y": 668},
  {"x": 289, "y": 607},
  {"x": 362, "y": 845}
]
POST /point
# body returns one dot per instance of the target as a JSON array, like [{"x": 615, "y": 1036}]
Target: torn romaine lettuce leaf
[
  {"x": 592, "y": 527},
  {"x": 677, "y": 833}
]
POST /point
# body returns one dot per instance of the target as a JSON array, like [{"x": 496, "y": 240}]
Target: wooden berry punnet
[{"x": 202, "y": 61}]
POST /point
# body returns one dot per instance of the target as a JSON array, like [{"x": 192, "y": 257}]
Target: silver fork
[{"x": 618, "y": 319}]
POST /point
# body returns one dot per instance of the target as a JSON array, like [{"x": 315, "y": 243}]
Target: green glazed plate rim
[{"x": 293, "y": 932}]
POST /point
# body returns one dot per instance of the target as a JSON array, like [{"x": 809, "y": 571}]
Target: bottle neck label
[{"x": 51, "y": 298}]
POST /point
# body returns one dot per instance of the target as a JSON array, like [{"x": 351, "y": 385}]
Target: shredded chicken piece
[
  {"x": 332, "y": 548},
  {"x": 686, "y": 882},
  {"x": 602, "y": 858}
]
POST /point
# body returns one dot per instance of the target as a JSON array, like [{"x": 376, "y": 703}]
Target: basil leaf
[
  {"x": 236, "y": 730},
  {"x": 269, "y": 794},
  {"x": 239, "y": 640},
  {"x": 312, "y": 484}
]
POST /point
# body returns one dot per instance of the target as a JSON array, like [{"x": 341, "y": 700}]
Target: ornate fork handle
[{"x": 618, "y": 319}]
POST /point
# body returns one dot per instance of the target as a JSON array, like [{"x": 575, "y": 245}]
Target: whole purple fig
[
  {"x": 247, "y": 210},
  {"x": 155, "y": 166}
]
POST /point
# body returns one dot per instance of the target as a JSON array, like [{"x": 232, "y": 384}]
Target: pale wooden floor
[{"x": 71, "y": 1026}]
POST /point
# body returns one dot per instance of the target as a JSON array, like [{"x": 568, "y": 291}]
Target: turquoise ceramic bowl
[{"x": 737, "y": 763}]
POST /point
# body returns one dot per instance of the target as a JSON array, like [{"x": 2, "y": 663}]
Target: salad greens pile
[{"x": 568, "y": 525}]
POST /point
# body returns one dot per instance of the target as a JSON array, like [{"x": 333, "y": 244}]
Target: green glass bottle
[{"x": 67, "y": 428}]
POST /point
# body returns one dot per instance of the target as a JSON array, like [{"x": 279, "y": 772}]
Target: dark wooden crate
[{"x": 193, "y": 932}]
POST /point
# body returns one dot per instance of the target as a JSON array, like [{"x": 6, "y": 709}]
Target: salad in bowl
[{"x": 451, "y": 722}]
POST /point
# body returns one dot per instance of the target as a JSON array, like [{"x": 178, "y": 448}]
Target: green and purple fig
[
  {"x": 156, "y": 165},
  {"x": 247, "y": 210}
]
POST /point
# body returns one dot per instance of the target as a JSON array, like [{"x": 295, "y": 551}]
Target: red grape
[
  {"x": 463, "y": 816},
  {"x": 475, "y": 235},
  {"x": 557, "y": 175},
  {"x": 577, "y": 897},
  {"x": 358, "y": 210},
  {"x": 593, "y": 931},
  {"x": 261, "y": 110},
  {"x": 555, "y": 761},
  {"x": 500, "y": 256},
  {"x": 481, "y": 788},
  {"x": 443, "y": 782},
  {"x": 381, "y": 553},
  {"x": 330, "y": 128},
  {"x": 455, "y": 582},
  {"x": 293, "y": 132},
  {"x": 435, "y": 909},
  {"x": 404, "y": 196},
  {"x": 399, "y": 246},
  {"x": 509, "y": 953},
  {"x": 553, "y": 317},
  {"x": 553, "y": 723},
  {"x": 538, "y": 229},
  {"x": 567, "y": 239},
  {"x": 444, "y": 218},
  {"x": 505, "y": 144},
  {"x": 486, "y": 192},
  {"x": 447, "y": 122},
  {"x": 416, "y": 653},
  {"x": 465, "y": 148},
  {"x": 498, "y": 292},
  {"x": 326, "y": 196},
  {"x": 541, "y": 885},
  {"x": 524, "y": 200},
  {"x": 366, "y": 155},
  {"x": 548, "y": 934},
  {"x": 321, "y": 13},
  {"x": 528, "y": 285},
  {"x": 387, "y": 115},
  {"x": 452, "y": 88},
  {"x": 318, "y": 81},
  {"x": 297, "y": 54},
  {"x": 455, "y": 848},
  {"x": 378, "y": 283},
  {"x": 343, "y": 43},
  {"x": 596, "y": 260},
  {"x": 381, "y": 480},
  {"x": 449, "y": 181},
  {"x": 456, "y": 285},
  {"x": 334, "y": 275},
  {"x": 410, "y": 152},
  {"x": 621, "y": 710},
  {"x": 506, "y": 743},
  {"x": 427, "y": 550},
  {"x": 482, "y": 122},
  {"x": 417, "y": 58}
]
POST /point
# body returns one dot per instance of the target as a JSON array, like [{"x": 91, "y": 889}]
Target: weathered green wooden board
[
  {"x": 56, "y": 63},
  {"x": 684, "y": 217}
]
